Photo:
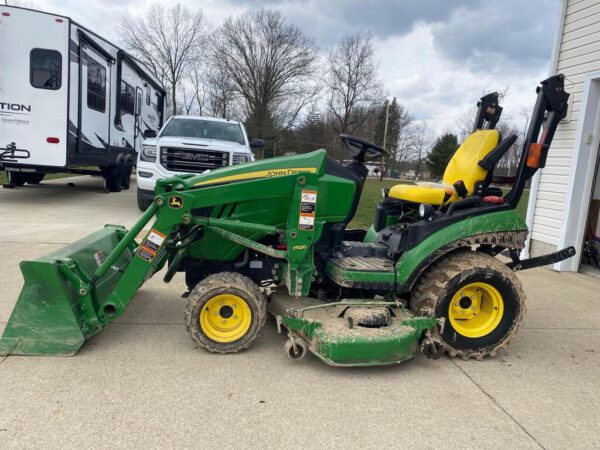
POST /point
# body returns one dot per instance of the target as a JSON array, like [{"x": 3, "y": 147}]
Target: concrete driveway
[{"x": 141, "y": 382}]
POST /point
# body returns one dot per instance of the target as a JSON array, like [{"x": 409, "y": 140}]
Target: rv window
[
  {"x": 148, "y": 95},
  {"x": 45, "y": 68},
  {"x": 127, "y": 102},
  {"x": 96, "y": 88}
]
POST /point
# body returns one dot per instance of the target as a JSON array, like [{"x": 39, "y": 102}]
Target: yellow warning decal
[{"x": 259, "y": 174}]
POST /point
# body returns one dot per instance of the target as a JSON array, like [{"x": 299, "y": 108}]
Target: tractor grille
[{"x": 191, "y": 159}]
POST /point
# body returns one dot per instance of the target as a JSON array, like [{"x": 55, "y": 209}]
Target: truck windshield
[{"x": 204, "y": 129}]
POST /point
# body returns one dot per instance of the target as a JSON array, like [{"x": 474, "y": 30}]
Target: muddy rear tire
[
  {"x": 481, "y": 300},
  {"x": 225, "y": 313}
]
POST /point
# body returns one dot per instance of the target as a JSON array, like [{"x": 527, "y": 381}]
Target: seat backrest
[{"x": 464, "y": 164}]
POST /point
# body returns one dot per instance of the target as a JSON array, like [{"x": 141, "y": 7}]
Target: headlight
[
  {"x": 241, "y": 158},
  {"x": 148, "y": 153},
  {"x": 426, "y": 211}
]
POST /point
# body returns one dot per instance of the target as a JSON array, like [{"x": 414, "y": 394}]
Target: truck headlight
[
  {"x": 148, "y": 153},
  {"x": 240, "y": 158}
]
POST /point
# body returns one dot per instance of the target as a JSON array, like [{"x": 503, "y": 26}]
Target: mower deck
[{"x": 332, "y": 332}]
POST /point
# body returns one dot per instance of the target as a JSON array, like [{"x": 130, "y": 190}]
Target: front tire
[
  {"x": 481, "y": 300},
  {"x": 225, "y": 313}
]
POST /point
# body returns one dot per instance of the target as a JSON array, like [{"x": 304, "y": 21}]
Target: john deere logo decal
[{"x": 175, "y": 202}]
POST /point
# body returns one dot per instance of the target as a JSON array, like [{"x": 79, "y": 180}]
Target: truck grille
[{"x": 192, "y": 160}]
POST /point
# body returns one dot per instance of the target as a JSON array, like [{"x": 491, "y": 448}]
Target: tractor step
[
  {"x": 362, "y": 272},
  {"x": 364, "y": 264}
]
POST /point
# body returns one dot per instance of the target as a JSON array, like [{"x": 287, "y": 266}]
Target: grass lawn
[{"x": 371, "y": 196}]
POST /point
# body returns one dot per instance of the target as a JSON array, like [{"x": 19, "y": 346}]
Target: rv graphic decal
[{"x": 102, "y": 141}]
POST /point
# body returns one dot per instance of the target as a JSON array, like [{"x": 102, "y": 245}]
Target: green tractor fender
[{"x": 505, "y": 228}]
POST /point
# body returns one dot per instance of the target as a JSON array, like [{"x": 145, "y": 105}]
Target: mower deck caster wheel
[
  {"x": 295, "y": 349},
  {"x": 432, "y": 348}
]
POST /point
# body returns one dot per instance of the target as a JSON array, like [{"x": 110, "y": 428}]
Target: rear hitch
[{"x": 538, "y": 261}]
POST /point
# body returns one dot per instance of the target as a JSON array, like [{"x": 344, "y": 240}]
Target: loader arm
[{"x": 93, "y": 281}]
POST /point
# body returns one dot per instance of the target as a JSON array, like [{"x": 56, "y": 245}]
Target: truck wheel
[
  {"x": 113, "y": 177},
  {"x": 481, "y": 300},
  {"x": 143, "y": 203},
  {"x": 128, "y": 168},
  {"x": 17, "y": 178},
  {"x": 225, "y": 313},
  {"x": 35, "y": 178}
]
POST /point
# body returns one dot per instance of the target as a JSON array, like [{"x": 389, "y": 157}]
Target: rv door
[{"x": 94, "y": 88}]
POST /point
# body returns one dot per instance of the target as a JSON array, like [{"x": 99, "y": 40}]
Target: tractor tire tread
[
  {"x": 431, "y": 283},
  {"x": 219, "y": 281}
]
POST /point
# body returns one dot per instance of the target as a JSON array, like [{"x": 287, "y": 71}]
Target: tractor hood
[{"x": 313, "y": 162}]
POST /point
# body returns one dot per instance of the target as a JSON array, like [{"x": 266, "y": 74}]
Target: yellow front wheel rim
[
  {"x": 225, "y": 318},
  {"x": 476, "y": 310}
]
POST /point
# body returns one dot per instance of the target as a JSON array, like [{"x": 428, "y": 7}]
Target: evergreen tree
[
  {"x": 442, "y": 151},
  {"x": 394, "y": 125},
  {"x": 312, "y": 131}
]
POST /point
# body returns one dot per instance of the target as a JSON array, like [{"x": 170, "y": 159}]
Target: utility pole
[{"x": 385, "y": 127}]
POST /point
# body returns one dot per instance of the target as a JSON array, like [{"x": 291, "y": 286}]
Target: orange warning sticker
[
  {"x": 308, "y": 206},
  {"x": 151, "y": 245}
]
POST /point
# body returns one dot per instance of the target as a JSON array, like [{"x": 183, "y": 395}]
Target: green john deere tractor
[{"x": 271, "y": 237}]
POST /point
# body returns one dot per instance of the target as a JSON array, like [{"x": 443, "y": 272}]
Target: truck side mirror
[
  {"x": 257, "y": 143},
  {"x": 149, "y": 134}
]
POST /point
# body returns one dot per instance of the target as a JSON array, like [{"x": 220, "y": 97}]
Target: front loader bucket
[{"x": 53, "y": 316}]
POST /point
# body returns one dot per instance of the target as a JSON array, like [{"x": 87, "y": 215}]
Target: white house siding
[{"x": 579, "y": 55}]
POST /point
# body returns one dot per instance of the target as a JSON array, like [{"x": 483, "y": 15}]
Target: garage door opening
[{"x": 590, "y": 253}]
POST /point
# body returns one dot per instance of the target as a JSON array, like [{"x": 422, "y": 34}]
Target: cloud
[
  {"x": 439, "y": 89},
  {"x": 496, "y": 34},
  {"x": 327, "y": 21}
]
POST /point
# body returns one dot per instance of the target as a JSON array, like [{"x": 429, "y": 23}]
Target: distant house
[
  {"x": 412, "y": 175},
  {"x": 564, "y": 201}
]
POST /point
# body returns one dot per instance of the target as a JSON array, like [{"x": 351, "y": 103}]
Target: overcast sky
[{"x": 436, "y": 56}]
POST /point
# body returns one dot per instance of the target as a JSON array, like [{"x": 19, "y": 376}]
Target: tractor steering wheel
[{"x": 361, "y": 150}]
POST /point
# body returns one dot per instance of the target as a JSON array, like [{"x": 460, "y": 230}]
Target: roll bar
[{"x": 550, "y": 108}]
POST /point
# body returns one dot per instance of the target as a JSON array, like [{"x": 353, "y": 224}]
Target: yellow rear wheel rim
[
  {"x": 225, "y": 318},
  {"x": 476, "y": 310}
]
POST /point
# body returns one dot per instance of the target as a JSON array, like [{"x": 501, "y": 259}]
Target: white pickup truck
[{"x": 190, "y": 144}]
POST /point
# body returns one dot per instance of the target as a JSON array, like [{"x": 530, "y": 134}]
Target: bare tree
[
  {"x": 351, "y": 78},
  {"x": 166, "y": 40},
  {"x": 221, "y": 93},
  {"x": 195, "y": 77},
  {"x": 187, "y": 100},
  {"x": 270, "y": 63},
  {"x": 421, "y": 142}
]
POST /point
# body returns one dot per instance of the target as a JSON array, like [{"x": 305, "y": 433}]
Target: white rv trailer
[{"x": 70, "y": 100}]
